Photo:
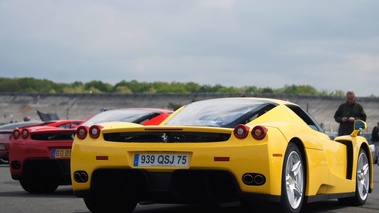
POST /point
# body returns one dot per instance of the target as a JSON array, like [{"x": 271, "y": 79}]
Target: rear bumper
[
  {"x": 180, "y": 186},
  {"x": 43, "y": 170}
]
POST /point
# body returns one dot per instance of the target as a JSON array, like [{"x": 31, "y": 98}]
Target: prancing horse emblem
[{"x": 164, "y": 137}]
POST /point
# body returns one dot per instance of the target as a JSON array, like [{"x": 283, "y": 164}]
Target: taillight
[
  {"x": 16, "y": 134},
  {"x": 81, "y": 132},
  {"x": 94, "y": 131},
  {"x": 24, "y": 133},
  {"x": 241, "y": 131},
  {"x": 259, "y": 132}
]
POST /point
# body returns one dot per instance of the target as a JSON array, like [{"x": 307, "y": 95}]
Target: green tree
[
  {"x": 192, "y": 87},
  {"x": 129, "y": 87},
  {"x": 123, "y": 90},
  {"x": 138, "y": 87},
  {"x": 266, "y": 90},
  {"x": 299, "y": 90},
  {"x": 338, "y": 93},
  {"x": 98, "y": 87},
  {"x": 161, "y": 87},
  {"x": 10, "y": 85}
]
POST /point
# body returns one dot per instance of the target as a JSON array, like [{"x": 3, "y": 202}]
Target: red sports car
[
  {"x": 40, "y": 156},
  {"x": 34, "y": 152},
  {"x": 5, "y": 133}
]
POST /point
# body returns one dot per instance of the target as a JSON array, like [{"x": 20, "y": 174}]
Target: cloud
[{"x": 328, "y": 45}]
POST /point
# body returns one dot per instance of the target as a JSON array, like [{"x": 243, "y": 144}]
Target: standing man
[
  {"x": 347, "y": 113},
  {"x": 375, "y": 140}
]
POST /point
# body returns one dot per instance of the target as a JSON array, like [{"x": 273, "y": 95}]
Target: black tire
[
  {"x": 293, "y": 180},
  {"x": 107, "y": 203},
  {"x": 38, "y": 186},
  {"x": 362, "y": 182}
]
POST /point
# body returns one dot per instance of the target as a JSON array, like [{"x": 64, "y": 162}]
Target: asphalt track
[{"x": 13, "y": 199}]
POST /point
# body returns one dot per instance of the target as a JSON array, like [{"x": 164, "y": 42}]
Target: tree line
[{"x": 33, "y": 85}]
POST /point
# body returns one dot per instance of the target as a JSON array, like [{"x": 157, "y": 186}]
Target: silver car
[{"x": 373, "y": 147}]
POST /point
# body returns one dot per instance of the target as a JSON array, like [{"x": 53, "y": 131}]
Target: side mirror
[{"x": 359, "y": 126}]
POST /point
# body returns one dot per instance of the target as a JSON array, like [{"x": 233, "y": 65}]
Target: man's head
[{"x": 350, "y": 96}]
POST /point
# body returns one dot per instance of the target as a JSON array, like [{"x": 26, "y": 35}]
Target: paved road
[{"x": 13, "y": 199}]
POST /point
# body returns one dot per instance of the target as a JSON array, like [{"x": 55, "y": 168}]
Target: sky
[{"x": 330, "y": 45}]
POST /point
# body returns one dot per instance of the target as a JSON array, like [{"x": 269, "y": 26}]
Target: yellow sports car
[{"x": 225, "y": 151}]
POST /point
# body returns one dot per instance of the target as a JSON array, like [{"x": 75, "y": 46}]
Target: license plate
[
  {"x": 61, "y": 153},
  {"x": 2, "y": 146},
  {"x": 177, "y": 160}
]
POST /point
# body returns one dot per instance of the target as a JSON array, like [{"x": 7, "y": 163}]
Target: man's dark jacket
[
  {"x": 374, "y": 134},
  {"x": 349, "y": 110}
]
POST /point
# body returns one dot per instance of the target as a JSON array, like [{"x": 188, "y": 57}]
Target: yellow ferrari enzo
[{"x": 224, "y": 151}]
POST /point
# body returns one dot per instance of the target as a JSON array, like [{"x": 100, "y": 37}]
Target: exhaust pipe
[
  {"x": 259, "y": 179},
  {"x": 248, "y": 179},
  {"x": 16, "y": 164},
  {"x": 80, "y": 176},
  {"x": 253, "y": 179}
]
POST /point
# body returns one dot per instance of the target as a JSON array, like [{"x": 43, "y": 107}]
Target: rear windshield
[{"x": 220, "y": 112}]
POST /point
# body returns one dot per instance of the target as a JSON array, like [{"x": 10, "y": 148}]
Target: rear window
[{"x": 219, "y": 112}]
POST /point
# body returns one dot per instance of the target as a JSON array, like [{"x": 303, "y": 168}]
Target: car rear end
[
  {"x": 178, "y": 164},
  {"x": 41, "y": 155}
]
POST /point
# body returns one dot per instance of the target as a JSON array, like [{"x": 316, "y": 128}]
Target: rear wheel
[
  {"x": 109, "y": 195},
  {"x": 38, "y": 186},
  {"x": 362, "y": 182},
  {"x": 107, "y": 203},
  {"x": 293, "y": 180}
]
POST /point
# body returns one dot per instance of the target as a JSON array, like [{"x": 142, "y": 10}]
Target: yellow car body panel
[{"x": 121, "y": 156}]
